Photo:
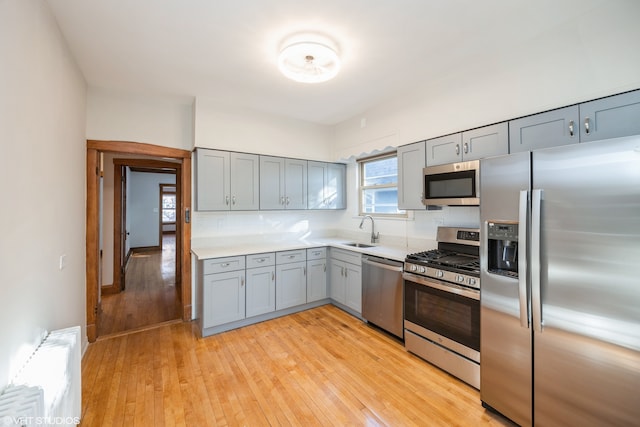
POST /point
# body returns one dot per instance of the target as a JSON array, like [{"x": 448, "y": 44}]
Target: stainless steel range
[{"x": 442, "y": 303}]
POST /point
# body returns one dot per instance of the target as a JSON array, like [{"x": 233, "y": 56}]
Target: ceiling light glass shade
[{"x": 309, "y": 62}]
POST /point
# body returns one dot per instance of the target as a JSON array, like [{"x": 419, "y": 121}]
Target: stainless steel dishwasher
[{"x": 382, "y": 294}]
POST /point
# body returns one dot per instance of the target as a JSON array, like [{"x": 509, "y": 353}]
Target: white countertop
[{"x": 218, "y": 250}]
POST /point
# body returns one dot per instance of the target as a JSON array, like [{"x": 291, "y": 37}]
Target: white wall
[
  {"x": 591, "y": 55},
  {"x": 244, "y": 130},
  {"x": 42, "y": 167},
  {"x": 160, "y": 120},
  {"x": 144, "y": 203}
]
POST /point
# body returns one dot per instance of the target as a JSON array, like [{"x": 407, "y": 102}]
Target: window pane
[
  {"x": 384, "y": 200},
  {"x": 382, "y": 171},
  {"x": 168, "y": 215},
  {"x": 168, "y": 201}
]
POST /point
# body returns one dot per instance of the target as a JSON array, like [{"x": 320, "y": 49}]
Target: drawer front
[
  {"x": 261, "y": 260},
  {"x": 346, "y": 256},
  {"x": 316, "y": 253},
  {"x": 291, "y": 256},
  {"x": 220, "y": 265}
]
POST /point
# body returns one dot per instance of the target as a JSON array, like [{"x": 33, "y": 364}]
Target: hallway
[{"x": 150, "y": 296}]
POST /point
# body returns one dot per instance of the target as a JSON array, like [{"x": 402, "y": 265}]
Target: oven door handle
[{"x": 448, "y": 287}]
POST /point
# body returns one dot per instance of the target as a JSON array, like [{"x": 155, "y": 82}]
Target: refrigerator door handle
[
  {"x": 536, "y": 235},
  {"x": 523, "y": 220}
]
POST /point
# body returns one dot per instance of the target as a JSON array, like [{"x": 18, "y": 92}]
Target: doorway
[{"x": 178, "y": 159}]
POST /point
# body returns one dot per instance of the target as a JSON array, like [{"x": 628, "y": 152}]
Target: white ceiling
[{"x": 226, "y": 49}]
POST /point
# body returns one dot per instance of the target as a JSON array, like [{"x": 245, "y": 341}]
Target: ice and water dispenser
[{"x": 502, "y": 239}]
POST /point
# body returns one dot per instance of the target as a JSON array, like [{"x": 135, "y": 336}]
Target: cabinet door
[
  {"x": 223, "y": 298},
  {"x": 610, "y": 117},
  {"x": 550, "y": 129},
  {"x": 336, "y": 187},
  {"x": 484, "y": 142},
  {"x": 316, "y": 280},
  {"x": 261, "y": 290},
  {"x": 291, "y": 285},
  {"x": 411, "y": 161},
  {"x": 271, "y": 182},
  {"x": 212, "y": 180},
  {"x": 245, "y": 181},
  {"x": 317, "y": 177},
  {"x": 295, "y": 184},
  {"x": 353, "y": 287},
  {"x": 337, "y": 282},
  {"x": 443, "y": 150}
]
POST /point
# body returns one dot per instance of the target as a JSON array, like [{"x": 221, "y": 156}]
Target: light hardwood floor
[
  {"x": 150, "y": 294},
  {"x": 320, "y": 367}
]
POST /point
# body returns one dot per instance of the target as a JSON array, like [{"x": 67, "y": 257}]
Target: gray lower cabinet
[
  {"x": 487, "y": 141},
  {"x": 346, "y": 278},
  {"x": 261, "y": 284},
  {"x": 291, "y": 278},
  {"x": 411, "y": 161},
  {"x": 549, "y": 129},
  {"x": 316, "y": 274},
  {"x": 223, "y": 291}
]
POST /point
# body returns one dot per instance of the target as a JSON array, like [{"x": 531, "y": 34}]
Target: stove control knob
[
  {"x": 440, "y": 273},
  {"x": 423, "y": 270},
  {"x": 460, "y": 279},
  {"x": 414, "y": 268},
  {"x": 472, "y": 281}
]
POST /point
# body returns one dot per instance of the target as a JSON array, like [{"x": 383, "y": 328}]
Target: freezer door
[
  {"x": 587, "y": 316},
  {"x": 505, "y": 336}
]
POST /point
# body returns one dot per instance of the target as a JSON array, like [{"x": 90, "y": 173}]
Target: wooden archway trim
[{"x": 94, "y": 147}]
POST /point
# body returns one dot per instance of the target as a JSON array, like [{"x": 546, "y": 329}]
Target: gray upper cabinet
[
  {"x": 283, "y": 183},
  {"x": 444, "y": 149},
  {"x": 226, "y": 181},
  {"x": 475, "y": 144},
  {"x": 326, "y": 185},
  {"x": 549, "y": 129},
  {"x": 610, "y": 117},
  {"x": 411, "y": 161}
]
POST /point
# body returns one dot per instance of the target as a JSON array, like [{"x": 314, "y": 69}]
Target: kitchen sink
[{"x": 358, "y": 245}]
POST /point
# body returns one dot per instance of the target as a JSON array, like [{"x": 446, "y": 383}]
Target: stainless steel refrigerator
[{"x": 560, "y": 285}]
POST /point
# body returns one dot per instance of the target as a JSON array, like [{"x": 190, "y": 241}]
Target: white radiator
[{"x": 47, "y": 390}]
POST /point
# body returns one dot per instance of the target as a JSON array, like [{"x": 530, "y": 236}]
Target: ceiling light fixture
[{"x": 309, "y": 60}]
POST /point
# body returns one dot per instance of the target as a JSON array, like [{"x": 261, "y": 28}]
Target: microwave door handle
[
  {"x": 523, "y": 221},
  {"x": 536, "y": 235}
]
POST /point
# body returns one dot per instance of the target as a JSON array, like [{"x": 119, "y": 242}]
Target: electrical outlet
[{"x": 63, "y": 261}]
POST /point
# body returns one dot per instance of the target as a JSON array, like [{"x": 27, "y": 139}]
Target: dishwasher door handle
[{"x": 380, "y": 265}]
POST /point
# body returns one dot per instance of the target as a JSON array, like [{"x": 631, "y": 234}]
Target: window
[
  {"x": 379, "y": 186},
  {"x": 168, "y": 194}
]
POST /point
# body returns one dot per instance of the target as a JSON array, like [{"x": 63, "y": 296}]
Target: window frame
[{"x": 401, "y": 214}]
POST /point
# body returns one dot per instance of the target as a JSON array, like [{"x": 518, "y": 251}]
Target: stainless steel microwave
[{"x": 453, "y": 184}]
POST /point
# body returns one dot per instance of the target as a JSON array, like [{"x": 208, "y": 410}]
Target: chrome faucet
[{"x": 374, "y": 236}]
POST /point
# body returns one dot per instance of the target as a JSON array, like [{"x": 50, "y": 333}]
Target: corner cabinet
[
  {"x": 346, "y": 279},
  {"x": 487, "y": 141},
  {"x": 226, "y": 180},
  {"x": 411, "y": 161},
  {"x": 283, "y": 183},
  {"x": 326, "y": 185}
]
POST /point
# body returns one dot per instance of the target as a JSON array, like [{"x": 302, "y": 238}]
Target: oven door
[{"x": 444, "y": 313}]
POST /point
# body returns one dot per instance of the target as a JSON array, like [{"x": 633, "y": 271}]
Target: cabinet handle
[
  {"x": 233, "y": 200},
  {"x": 273, "y": 276},
  {"x": 227, "y": 200},
  {"x": 457, "y": 149},
  {"x": 342, "y": 271},
  {"x": 466, "y": 147},
  {"x": 304, "y": 270},
  {"x": 324, "y": 267},
  {"x": 282, "y": 200},
  {"x": 261, "y": 260},
  {"x": 587, "y": 127},
  {"x": 224, "y": 265},
  {"x": 316, "y": 253},
  {"x": 346, "y": 271},
  {"x": 241, "y": 281},
  {"x": 571, "y": 128},
  {"x": 287, "y": 200},
  {"x": 292, "y": 256}
]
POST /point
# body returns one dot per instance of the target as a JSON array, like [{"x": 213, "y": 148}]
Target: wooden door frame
[{"x": 183, "y": 241}]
